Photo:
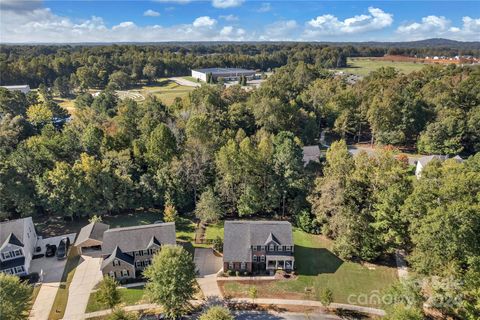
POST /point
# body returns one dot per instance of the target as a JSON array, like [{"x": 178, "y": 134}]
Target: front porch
[{"x": 280, "y": 263}]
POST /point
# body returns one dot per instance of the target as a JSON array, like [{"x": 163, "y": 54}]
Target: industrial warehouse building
[{"x": 227, "y": 74}]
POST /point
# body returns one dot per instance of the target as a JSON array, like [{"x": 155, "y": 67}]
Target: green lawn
[
  {"x": 60, "y": 302},
  {"x": 128, "y": 297},
  {"x": 319, "y": 268},
  {"x": 214, "y": 230},
  {"x": 363, "y": 66},
  {"x": 190, "y": 78},
  {"x": 166, "y": 90}
]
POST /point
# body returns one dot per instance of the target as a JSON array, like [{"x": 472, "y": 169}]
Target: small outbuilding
[
  {"x": 91, "y": 237},
  {"x": 311, "y": 153},
  {"x": 24, "y": 88}
]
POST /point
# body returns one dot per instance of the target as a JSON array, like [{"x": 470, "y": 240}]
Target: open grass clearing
[
  {"x": 363, "y": 66},
  {"x": 214, "y": 230},
  {"x": 319, "y": 268},
  {"x": 60, "y": 302},
  {"x": 166, "y": 90}
]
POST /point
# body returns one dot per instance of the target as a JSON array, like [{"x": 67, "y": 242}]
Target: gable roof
[
  {"x": 13, "y": 230},
  {"x": 425, "y": 160},
  {"x": 117, "y": 254},
  {"x": 311, "y": 153},
  {"x": 240, "y": 236},
  {"x": 93, "y": 230},
  {"x": 139, "y": 237}
]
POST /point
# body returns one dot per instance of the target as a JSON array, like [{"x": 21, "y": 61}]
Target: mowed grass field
[
  {"x": 363, "y": 66},
  {"x": 128, "y": 297},
  {"x": 166, "y": 90},
  {"x": 318, "y": 268}
]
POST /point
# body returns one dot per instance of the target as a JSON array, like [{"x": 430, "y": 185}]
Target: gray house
[
  {"x": 258, "y": 246},
  {"x": 17, "y": 240},
  {"x": 423, "y": 161},
  {"x": 125, "y": 251}
]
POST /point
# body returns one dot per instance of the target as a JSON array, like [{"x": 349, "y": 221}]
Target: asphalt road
[{"x": 256, "y": 315}]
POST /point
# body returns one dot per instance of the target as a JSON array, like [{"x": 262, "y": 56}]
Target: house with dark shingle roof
[
  {"x": 258, "y": 246},
  {"x": 126, "y": 251},
  {"x": 18, "y": 239},
  {"x": 90, "y": 237}
]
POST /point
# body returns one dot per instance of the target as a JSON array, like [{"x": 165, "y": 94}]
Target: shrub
[{"x": 237, "y": 273}]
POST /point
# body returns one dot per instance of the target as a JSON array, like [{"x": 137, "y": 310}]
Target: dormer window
[
  {"x": 116, "y": 262},
  {"x": 271, "y": 247}
]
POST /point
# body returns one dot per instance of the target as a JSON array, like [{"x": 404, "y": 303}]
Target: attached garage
[{"x": 90, "y": 238}]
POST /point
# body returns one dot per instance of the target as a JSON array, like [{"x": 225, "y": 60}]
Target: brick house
[{"x": 258, "y": 246}]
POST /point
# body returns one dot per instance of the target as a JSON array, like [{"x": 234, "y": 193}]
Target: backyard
[
  {"x": 363, "y": 66},
  {"x": 319, "y": 268}
]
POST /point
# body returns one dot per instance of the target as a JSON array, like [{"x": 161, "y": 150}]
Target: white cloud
[
  {"x": 204, "y": 21},
  {"x": 280, "y": 30},
  {"x": 229, "y": 17},
  {"x": 124, "y": 25},
  {"x": 222, "y": 4},
  {"x": 41, "y": 25},
  {"x": 330, "y": 25},
  {"x": 151, "y": 13},
  {"x": 440, "y": 26},
  {"x": 265, "y": 7}
]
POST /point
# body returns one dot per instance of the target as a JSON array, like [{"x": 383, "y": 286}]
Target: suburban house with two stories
[
  {"x": 18, "y": 239},
  {"x": 125, "y": 251},
  {"x": 258, "y": 246}
]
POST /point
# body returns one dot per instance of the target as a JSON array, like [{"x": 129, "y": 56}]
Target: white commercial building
[{"x": 227, "y": 74}]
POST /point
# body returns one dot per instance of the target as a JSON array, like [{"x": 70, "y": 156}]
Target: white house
[
  {"x": 24, "y": 88},
  {"x": 18, "y": 239},
  {"x": 423, "y": 161}
]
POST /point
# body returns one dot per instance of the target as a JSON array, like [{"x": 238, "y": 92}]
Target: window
[
  {"x": 138, "y": 264},
  {"x": 288, "y": 248},
  {"x": 125, "y": 273},
  {"x": 19, "y": 269},
  {"x": 116, "y": 262},
  {"x": 254, "y": 258},
  {"x": 242, "y": 266},
  {"x": 259, "y": 248},
  {"x": 18, "y": 252},
  {"x": 7, "y": 255},
  {"x": 271, "y": 247},
  {"x": 254, "y": 248},
  {"x": 230, "y": 265},
  {"x": 112, "y": 274},
  {"x": 262, "y": 258},
  {"x": 8, "y": 271},
  {"x": 140, "y": 253},
  {"x": 145, "y": 252}
]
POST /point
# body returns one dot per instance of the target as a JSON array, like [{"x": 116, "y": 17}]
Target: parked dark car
[
  {"x": 51, "y": 249},
  {"x": 62, "y": 250}
]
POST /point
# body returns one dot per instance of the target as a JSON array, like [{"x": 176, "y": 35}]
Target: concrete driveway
[
  {"x": 207, "y": 265},
  {"x": 50, "y": 271},
  {"x": 86, "y": 276},
  {"x": 206, "y": 262}
]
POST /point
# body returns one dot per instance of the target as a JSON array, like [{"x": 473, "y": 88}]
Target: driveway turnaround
[
  {"x": 207, "y": 266},
  {"x": 50, "y": 271},
  {"x": 86, "y": 276}
]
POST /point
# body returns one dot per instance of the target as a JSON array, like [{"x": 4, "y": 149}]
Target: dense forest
[
  {"x": 242, "y": 150},
  {"x": 90, "y": 66}
]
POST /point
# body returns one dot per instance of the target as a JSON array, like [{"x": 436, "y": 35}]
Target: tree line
[{"x": 239, "y": 153}]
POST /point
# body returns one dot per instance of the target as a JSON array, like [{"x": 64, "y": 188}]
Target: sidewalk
[
  {"x": 311, "y": 303},
  {"x": 307, "y": 303}
]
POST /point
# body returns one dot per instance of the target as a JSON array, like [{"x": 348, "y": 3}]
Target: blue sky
[{"x": 237, "y": 20}]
